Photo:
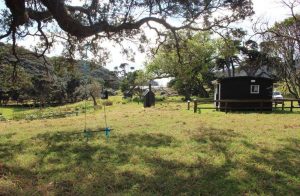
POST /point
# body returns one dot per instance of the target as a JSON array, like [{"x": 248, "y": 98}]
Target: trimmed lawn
[{"x": 165, "y": 150}]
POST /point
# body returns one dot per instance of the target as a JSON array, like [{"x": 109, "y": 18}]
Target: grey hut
[
  {"x": 244, "y": 88},
  {"x": 149, "y": 98}
]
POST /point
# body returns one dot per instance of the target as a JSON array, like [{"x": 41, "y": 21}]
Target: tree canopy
[
  {"x": 56, "y": 84},
  {"x": 283, "y": 41},
  {"x": 68, "y": 22},
  {"x": 193, "y": 73}
]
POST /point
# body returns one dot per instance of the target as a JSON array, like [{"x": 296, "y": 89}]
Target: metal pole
[
  {"x": 105, "y": 119},
  {"x": 85, "y": 88}
]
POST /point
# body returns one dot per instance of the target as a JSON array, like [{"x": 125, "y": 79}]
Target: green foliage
[
  {"x": 227, "y": 55},
  {"x": 192, "y": 72},
  {"x": 58, "y": 83},
  {"x": 131, "y": 82},
  {"x": 160, "y": 98},
  {"x": 285, "y": 45},
  {"x": 2, "y": 118},
  {"x": 137, "y": 99}
]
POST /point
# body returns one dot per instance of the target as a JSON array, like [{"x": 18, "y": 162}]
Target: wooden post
[
  {"x": 226, "y": 104},
  {"x": 282, "y": 105},
  {"x": 188, "y": 102},
  {"x": 275, "y": 103},
  {"x": 292, "y": 105},
  {"x": 195, "y": 105}
]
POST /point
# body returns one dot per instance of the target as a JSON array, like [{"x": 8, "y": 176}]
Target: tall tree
[
  {"x": 227, "y": 55},
  {"x": 63, "y": 21},
  {"x": 193, "y": 72},
  {"x": 283, "y": 40},
  {"x": 255, "y": 61}
]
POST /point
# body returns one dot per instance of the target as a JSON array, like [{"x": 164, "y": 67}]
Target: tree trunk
[
  {"x": 228, "y": 70},
  {"x": 233, "y": 68},
  {"x": 94, "y": 100},
  {"x": 202, "y": 91}
]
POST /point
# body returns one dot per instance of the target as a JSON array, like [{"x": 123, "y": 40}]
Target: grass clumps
[
  {"x": 107, "y": 103},
  {"x": 163, "y": 150}
]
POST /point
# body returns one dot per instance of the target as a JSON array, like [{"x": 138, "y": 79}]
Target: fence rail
[{"x": 261, "y": 102}]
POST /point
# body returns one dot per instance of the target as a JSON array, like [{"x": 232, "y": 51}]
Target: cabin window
[{"x": 254, "y": 89}]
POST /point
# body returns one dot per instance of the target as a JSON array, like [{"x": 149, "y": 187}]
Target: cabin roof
[
  {"x": 244, "y": 78},
  {"x": 146, "y": 92}
]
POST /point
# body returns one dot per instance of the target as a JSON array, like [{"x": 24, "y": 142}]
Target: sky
[{"x": 269, "y": 10}]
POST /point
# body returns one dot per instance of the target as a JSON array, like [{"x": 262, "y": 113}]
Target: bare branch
[{"x": 7, "y": 33}]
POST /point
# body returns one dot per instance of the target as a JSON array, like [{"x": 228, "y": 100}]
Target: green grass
[
  {"x": 165, "y": 150},
  {"x": 21, "y": 113}
]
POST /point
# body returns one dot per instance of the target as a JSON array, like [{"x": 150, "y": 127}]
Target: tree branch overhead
[{"x": 118, "y": 18}]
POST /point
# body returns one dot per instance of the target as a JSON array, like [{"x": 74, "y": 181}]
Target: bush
[
  {"x": 18, "y": 116},
  {"x": 160, "y": 98},
  {"x": 137, "y": 99},
  {"x": 31, "y": 117},
  {"x": 2, "y": 118},
  {"x": 107, "y": 103}
]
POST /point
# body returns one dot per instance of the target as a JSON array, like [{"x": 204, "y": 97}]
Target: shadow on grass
[
  {"x": 135, "y": 164},
  {"x": 278, "y": 171},
  {"x": 286, "y": 112},
  {"x": 264, "y": 112},
  {"x": 145, "y": 140}
]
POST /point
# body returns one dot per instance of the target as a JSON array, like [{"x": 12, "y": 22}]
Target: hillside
[{"x": 59, "y": 81}]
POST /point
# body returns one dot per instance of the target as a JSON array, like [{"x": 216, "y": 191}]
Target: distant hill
[
  {"x": 35, "y": 66},
  {"x": 60, "y": 80}
]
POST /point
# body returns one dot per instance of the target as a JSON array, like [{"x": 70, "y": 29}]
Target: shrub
[
  {"x": 137, "y": 99},
  {"x": 160, "y": 98},
  {"x": 107, "y": 103},
  {"x": 31, "y": 117},
  {"x": 2, "y": 118},
  {"x": 19, "y": 116}
]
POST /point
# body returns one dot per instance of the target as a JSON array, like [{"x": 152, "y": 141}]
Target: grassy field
[{"x": 165, "y": 150}]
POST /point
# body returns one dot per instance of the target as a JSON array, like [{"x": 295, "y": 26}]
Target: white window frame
[{"x": 254, "y": 89}]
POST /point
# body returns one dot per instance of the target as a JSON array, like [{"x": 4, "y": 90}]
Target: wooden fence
[{"x": 224, "y": 107}]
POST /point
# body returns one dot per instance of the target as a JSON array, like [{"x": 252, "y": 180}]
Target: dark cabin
[
  {"x": 244, "y": 88},
  {"x": 149, "y": 98}
]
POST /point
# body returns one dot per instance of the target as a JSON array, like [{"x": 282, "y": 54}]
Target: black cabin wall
[
  {"x": 149, "y": 99},
  {"x": 238, "y": 88}
]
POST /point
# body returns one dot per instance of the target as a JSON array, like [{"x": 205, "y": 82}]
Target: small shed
[
  {"x": 104, "y": 94},
  {"x": 149, "y": 97},
  {"x": 244, "y": 88}
]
